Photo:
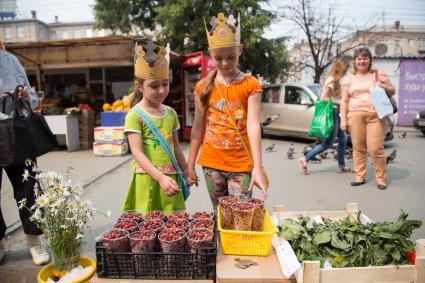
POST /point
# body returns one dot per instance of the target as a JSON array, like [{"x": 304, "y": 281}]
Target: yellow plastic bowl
[{"x": 47, "y": 271}]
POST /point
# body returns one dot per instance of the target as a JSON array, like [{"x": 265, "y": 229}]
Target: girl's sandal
[
  {"x": 345, "y": 170},
  {"x": 303, "y": 165}
]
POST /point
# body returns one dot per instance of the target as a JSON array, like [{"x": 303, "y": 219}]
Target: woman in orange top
[
  {"x": 357, "y": 110},
  {"x": 227, "y": 120}
]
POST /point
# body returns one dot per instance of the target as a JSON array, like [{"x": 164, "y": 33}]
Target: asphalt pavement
[{"x": 107, "y": 179}]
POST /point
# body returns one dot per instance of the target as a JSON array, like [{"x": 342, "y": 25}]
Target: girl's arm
[
  {"x": 169, "y": 186},
  {"x": 344, "y": 106},
  {"x": 327, "y": 90},
  {"x": 196, "y": 138},
  {"x": 254, "y": 136},
  {"x": 178, "y": 152}
]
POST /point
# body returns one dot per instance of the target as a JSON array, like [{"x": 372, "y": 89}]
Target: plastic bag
[{"x": 322, "y": 123}]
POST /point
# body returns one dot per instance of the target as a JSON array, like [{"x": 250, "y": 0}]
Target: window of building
[
  {"x": 77, "y": 34},
  {"x": 65, "y": 35},
  {"x": 53, "y": 35},
  {"x": 7, "y": 34},
  {"x": 20, "y": 32},
  {"x": 410, "y": 42},
  {"x": 89, "y": 33}
]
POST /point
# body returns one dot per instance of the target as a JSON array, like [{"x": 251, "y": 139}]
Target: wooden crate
[
  {"x": 86, "y": 124},
  {"x": 312, "y": 273}
]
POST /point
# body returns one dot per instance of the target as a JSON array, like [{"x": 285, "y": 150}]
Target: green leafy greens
[{"x": 348, "y": 243}]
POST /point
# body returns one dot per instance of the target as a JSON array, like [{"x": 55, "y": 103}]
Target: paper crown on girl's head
[
  {"x": 224, "y": 32},
  {"x": 151, "y": 61}
]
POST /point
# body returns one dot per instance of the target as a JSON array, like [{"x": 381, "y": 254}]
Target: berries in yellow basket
[{"x": 107, "y": 107}]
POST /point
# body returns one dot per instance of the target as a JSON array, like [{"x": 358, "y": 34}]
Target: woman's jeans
[{"x": 327, "y": 143}]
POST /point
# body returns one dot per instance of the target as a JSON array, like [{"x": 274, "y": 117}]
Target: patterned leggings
[{"x": 224, "y": 183}]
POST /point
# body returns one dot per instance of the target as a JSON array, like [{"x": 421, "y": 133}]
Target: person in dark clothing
[{"x": 11, "y": 75}]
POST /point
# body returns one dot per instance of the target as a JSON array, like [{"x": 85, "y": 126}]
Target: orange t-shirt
[{"x": 222, "y": 148}]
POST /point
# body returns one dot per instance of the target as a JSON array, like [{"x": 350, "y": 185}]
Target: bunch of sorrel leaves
[{"x": 348, "y": 243}]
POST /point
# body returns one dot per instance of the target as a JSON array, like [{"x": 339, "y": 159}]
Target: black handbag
[{"x": 23, "y": 137}]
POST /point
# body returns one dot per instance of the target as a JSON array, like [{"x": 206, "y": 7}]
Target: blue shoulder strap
[{"x": 155, "y": 131}]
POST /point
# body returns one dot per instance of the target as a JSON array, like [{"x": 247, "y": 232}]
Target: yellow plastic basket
[{"x": 247, "y": 242}]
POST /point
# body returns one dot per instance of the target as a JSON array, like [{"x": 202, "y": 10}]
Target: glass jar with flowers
[{"x": 62, "y": 215}]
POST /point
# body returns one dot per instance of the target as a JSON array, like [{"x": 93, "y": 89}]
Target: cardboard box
[
  {"x": 312, "y": 273},
  {"x": 109, "y": 134},
  {"x": 110, "y": 149}
]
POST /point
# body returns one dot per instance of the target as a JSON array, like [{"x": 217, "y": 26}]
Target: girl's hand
[
  {"x": 168, "y": 185},
  {"x": 191, "y": 177},
  {"x": 258, "y": 179}
]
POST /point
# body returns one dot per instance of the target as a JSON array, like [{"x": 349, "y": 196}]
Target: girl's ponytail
[
  {"x": 208, "y": 86},
  {"x": 138, "y": 94}
]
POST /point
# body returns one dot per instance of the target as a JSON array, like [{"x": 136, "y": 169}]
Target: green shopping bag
[{"x": 322, "y": 124}]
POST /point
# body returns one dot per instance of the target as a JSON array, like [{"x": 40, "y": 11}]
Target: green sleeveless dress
[{"x": 144, "y": 193}]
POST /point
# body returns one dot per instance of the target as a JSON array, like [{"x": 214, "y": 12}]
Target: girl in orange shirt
[{"x": 227, "y": 119}]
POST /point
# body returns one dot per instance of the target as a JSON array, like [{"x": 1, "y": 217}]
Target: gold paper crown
[
  {"x": 224, "y": 32},
  {"x": 151, "y": 61}
]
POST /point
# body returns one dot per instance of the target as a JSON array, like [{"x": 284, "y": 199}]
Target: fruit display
[
  {"x": 132, "y": 215},
  {"x": 176, "y": 224},
  {"x": 202, "y": 223},
  {"x": 199, "y": 237},
  {"x": 118, "y": 105},
  {"x": 179, "y": 215},
  {"x": 142, "y": 241},
  {"x": 155, "y": 225},
  {"x": 258, "y": 218},
  {"x": 155, "y": 214},
  {"x": 243, "y": 214},
  {"x": 226, "y": 211},
  {"x": 203, "y": 215},
  {"x": 172, "y": 240},
  {"x": 128, "y": 225},
  {"x": 116, "y": 240}
]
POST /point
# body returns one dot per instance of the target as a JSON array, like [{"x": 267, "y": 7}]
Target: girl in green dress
[{"x": 154, "y": 183}]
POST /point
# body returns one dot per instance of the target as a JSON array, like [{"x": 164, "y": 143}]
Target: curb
[{"x": 16, "y": 225}]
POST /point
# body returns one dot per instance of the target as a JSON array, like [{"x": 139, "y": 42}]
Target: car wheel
[{"x": 423, "y": 132}]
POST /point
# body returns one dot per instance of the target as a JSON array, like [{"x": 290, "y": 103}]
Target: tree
[
  {"x": 182, "y": 25},
  {"x": 326, "y": 36}
]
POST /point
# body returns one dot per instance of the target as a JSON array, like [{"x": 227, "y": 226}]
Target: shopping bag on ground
[
  {"x": 322, "y": 123},
  {"x": 382, "y": 103}
]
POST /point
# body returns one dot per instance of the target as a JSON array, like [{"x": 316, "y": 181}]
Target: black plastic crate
[{"x": 157, "y": 265}]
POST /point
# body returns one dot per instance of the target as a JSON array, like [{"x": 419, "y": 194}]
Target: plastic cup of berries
[
  {"x": 155, "y": 225},
  {"x": 176, "y": 224},
  {"x": 226, "y": 211},
  {"x": 131, "y": 215},
  {"x": 203, "y": 215},
  {"x": 198, "y": 238},
  {"x": 142, "y": 241},
  {"x": 154, "y": 214},
  {"x": 116, "y": 240},
  {"x": 205, "y": 223},
  {"x": 243, "y": 213},
  {"x": 172, "y": 240},
  {"x": 179, "y": 215},
  {"x": 128, "y": 225},
  {"x": 258, "y": 218}
]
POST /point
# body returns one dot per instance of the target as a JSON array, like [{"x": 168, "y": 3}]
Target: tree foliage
[{"x": 182, "y": 25}]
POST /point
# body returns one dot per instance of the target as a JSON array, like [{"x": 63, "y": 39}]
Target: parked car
[
  {"x": 419, "y": 121},
  {"x": 287, "y": 110}
]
